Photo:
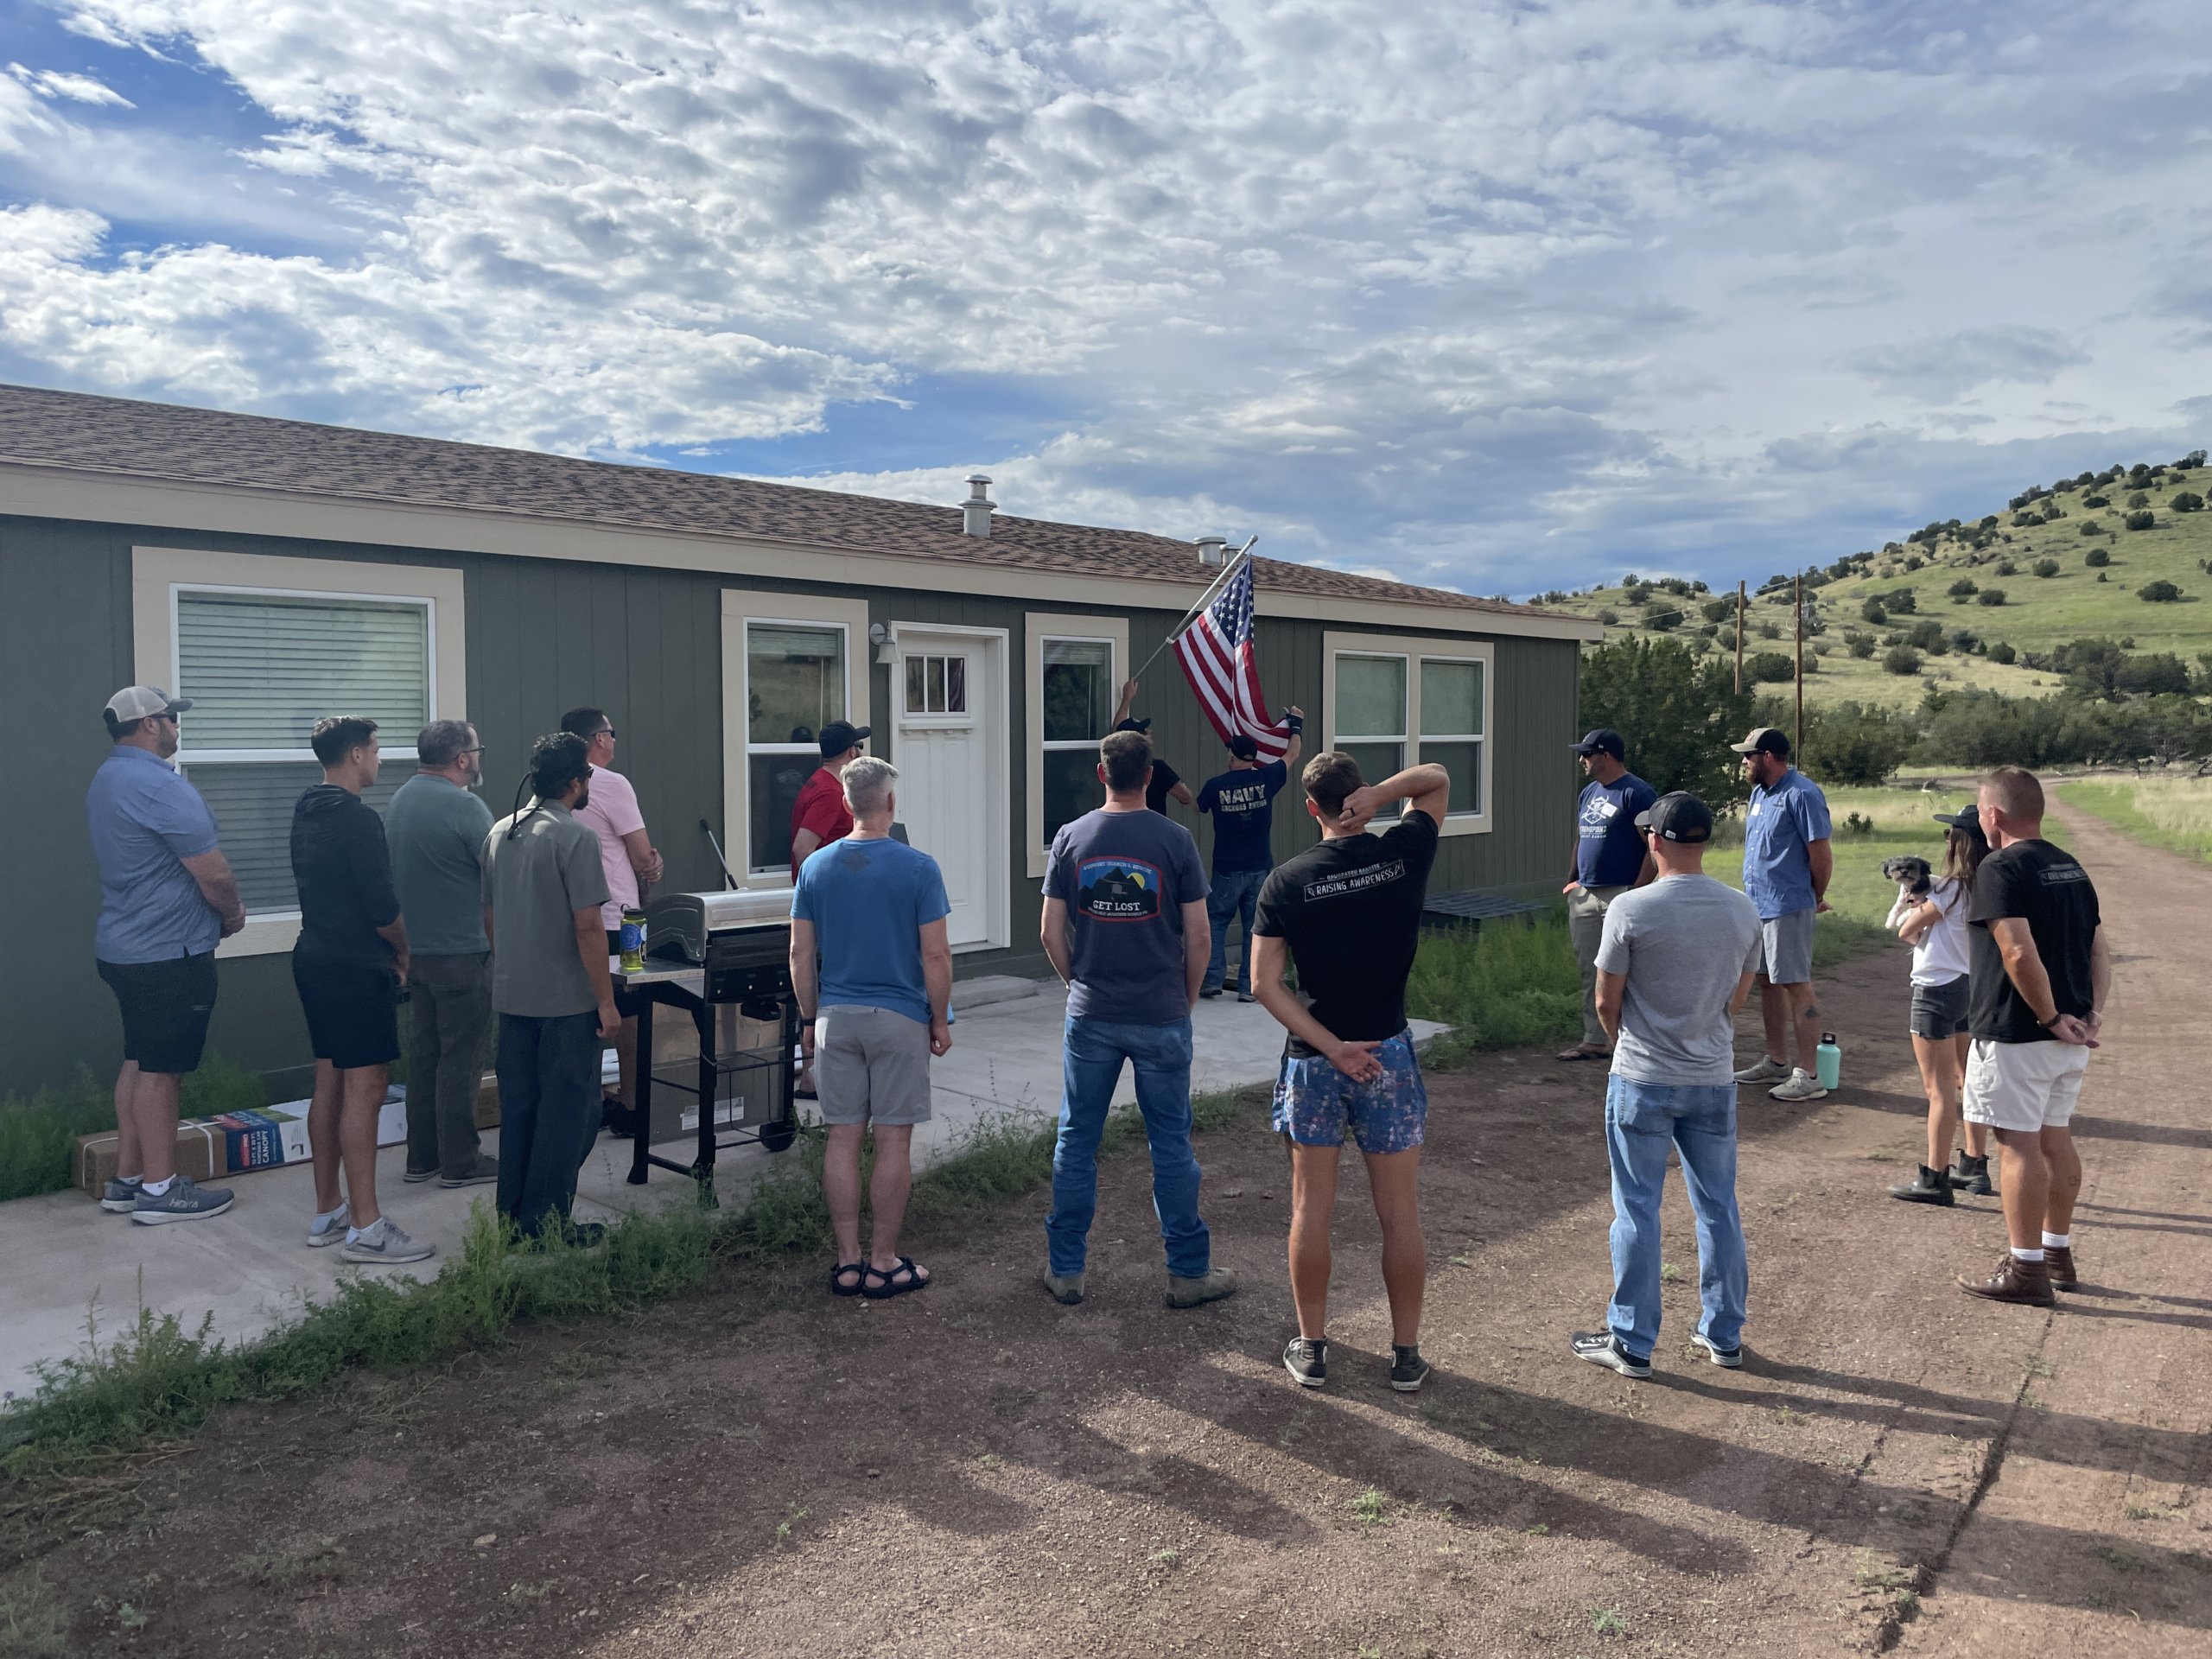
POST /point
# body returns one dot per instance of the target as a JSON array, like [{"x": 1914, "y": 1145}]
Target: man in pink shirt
[{"x": 626, "y": 853}]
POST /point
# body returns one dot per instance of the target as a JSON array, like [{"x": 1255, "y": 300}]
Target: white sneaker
[
  {"x": 1765, "y": 1071},
  {"x": 384, "y": 1244},
  {"x": 325, "y": 1230},
  {"x": 1802, "y": 1085}
]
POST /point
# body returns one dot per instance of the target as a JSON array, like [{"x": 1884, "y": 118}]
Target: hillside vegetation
[{"x": 2124, "y": 553}]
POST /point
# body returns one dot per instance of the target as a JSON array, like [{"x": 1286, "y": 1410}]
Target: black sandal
[
  {"x": 872, "y": 1277},
  {"x": 839, "y": 1271}
]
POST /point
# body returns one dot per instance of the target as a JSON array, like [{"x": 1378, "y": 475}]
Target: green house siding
[{"x": 645, "y": 644}]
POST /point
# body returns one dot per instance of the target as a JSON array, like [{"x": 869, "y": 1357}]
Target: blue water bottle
[{"x": 1827, "y": 1060}]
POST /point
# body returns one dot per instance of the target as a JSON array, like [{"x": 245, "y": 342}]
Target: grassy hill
[{"x": 2038, "y": 611}]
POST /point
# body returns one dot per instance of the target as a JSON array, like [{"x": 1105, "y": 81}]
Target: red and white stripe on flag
[{"x": 1216, "y": 652}]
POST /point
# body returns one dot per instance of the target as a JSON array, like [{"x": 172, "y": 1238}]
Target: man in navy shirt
[
  {"x": 1609, "y": 858},
  {"x": 1243, "y": 802}
]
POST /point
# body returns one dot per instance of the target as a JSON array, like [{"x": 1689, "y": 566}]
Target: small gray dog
[{"x": 1914, "y": 874}]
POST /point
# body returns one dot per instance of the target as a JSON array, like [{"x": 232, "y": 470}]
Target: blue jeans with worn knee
[
  {"x": 1235, "y": 895},
  {"x": 1094, "y": 1051},
  {"x": 1642, "y": 1120}
]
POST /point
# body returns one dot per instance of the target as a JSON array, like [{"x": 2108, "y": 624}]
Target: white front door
[{"x": 951, "y": 776}]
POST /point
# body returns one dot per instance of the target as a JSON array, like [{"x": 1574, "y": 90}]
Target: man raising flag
[{"x": 1214, "y": 647}]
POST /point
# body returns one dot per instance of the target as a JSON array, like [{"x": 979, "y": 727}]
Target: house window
[
  {"x": 795, "y": 685},
  {"x": 1370, "y": 723},
  {"x": 1076, "y": 693},
  {"x": 1452, "y": 726},
  {"x": 936, "y": 685},
  {"x": 1394, "y": 700},
  {"x": 261, "y": 668}
]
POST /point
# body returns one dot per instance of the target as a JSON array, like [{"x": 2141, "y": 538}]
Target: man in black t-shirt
[
  {"x": 1348, "y": 913},
  {"x": 1166, "y": 781},
  {"x": 2040, "y": 976}
]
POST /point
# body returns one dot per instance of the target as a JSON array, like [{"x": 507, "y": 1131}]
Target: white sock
[
  {"x": 355, "y": 1234},
  {"x": 323, "y": 1218},
  {"x": 154, "y": 1189},
  {"x": 2058, "y": 1241},
  {"x": 2019, "y": 1255},
  {"x": 132, "y": 1181}
]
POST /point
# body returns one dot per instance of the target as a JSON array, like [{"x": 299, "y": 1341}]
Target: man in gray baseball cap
[{"x": 167, "y": 897}]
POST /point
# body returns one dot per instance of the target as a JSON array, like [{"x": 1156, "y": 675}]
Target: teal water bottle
[{"x": 1827, "y": 1061}]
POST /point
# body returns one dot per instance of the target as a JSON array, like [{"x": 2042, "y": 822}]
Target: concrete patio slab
[{"x": 77, "y": 1275}]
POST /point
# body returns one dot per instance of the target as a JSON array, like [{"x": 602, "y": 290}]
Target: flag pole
[{"x": 1243, "y": 555}]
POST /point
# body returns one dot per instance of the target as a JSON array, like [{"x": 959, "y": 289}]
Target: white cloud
[
  {"x": 1492, "y": 298},
  {"x": 82, "y": 89}
]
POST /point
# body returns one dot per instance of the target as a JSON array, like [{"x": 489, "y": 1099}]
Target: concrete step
[{"x": 983, "y": 990}]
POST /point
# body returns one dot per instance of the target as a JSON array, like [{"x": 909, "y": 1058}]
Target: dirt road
[{"x": 977, "y": 1470}]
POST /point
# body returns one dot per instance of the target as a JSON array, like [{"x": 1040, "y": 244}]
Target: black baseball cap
[
  {"x": 1966, "y": 817},
  {"x": 1604, "y": 741},
  {"x": 1764, "y": 739},
  {"x": 1144, "y": 725},
  {"x": 1679, "y": 816},
  {"x": 1243, "y": 748},
  {"x": 839, "y": 735}
]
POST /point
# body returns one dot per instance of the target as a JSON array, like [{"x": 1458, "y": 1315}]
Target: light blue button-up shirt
[
  {"x": 145, "y": 820},
  {"x": 1781, "y": 822}
]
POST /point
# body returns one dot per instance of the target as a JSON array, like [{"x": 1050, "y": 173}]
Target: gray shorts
[
  {"x": 1786, "y": 947},
  {"x": 871, "y": 1063},
  {"x": 1939, "y": 1012}
]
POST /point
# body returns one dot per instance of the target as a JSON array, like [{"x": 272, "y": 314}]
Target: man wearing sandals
[
  {"x": 1609, "y": 860},
  {"x": 874, "y": 1016}
]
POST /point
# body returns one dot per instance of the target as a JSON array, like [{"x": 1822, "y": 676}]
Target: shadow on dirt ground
[{"x": 975, "y": 1469}]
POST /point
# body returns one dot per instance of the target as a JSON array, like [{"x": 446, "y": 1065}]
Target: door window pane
[
  {"x": 1464, "y": 762},
  {"x": 795, "y": 683},
  {"x": 1452, "y": 698},
  {"x": 261, "y": 669},
  {"x": 1370, "y": 695},
  {"x": 774, "y": 781},
  {"x": 917, "y": 696},
  {"x": 955, "y": 685},
  {"x": 253, "y": 801},
  {"x": 1071, "y": 787},
  {"x": 1376, "y": 760},
  {"x": 1078, "y": 698}
]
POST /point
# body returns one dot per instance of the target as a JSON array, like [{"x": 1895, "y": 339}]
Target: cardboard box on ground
[{"x": 745, "y": 1092}]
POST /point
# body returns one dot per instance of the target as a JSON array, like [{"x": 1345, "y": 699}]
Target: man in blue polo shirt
[
  {"x": 1609, "y": 858},
  {"x": 1787, "y": 863},
  {"x": 1243, "y": 802},
  {"x": 167, "y": 897}
]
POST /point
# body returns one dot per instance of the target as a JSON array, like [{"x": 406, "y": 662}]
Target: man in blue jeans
[
  {"x": 1243, "y": 802},
  {"x": 1675, "y": 964},
  {"x": 1125, "y": 925}
]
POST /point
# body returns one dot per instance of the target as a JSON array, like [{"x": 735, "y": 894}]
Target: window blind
[{"x": 261, "y": 670}]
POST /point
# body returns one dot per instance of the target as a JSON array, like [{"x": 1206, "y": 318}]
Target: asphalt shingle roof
[{"x": 170, "y": 442}]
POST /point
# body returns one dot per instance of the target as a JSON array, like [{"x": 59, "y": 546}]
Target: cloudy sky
[{"x": 1500, "y": 297}]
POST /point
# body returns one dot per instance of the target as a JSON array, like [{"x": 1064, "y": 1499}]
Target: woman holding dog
[{"x": 1930, "y": 915}]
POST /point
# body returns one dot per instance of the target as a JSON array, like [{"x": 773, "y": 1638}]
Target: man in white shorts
[
  {"x": 875, "y": 908},
  {"x": 2041, "y": 973}
]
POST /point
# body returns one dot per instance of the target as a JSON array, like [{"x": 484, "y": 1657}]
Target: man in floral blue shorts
[{"x": 1348, "y": 913}]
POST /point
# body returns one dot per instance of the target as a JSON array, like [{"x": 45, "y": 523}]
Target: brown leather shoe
[
  {"x": 2015, "y": 1281},
  {"x": 2059, "y": 1264}
]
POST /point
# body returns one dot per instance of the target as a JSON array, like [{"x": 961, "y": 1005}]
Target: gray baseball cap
[{"x": 137, "y": 701}]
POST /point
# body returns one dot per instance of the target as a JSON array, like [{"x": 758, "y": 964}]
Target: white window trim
[
  {"x": 1037, "y": 628},
  {"x": 996, "y": 727},
  {"x": 158, "y": 573},
  {"x": 741, "y": 607},
  {"x": 1415, "y": 651}
]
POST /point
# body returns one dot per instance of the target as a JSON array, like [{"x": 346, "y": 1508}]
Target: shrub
[
  {"x": 1901, "y": 660},
  {"x": 2091, "y": 527},
  {"x": 2142, "y": 520},
  {"x": 1853, "y": 745},
  {"x": 2097, "y": 556},
  {"x": 1862, "y": 648},
  {"x": 2139, "y": 500},
  {"x": 2007, "y": 568},
  {"x": 1717, "y": 610},
  {"x": 2045, "y": 567},
  {"x": 1963, "y": 589},
  {"x": 1871, "y": 612},
  {"x": 1927, "y": 636},
  {"x": 1678, "y": 713},
  {"x": 1901, "y": 603},
  {"x": 2158, "y": 593},
  {"x": 2187, "y": 501},
  {"x": 1609, "y": 619},
  {"x": 2101, "y": 576},
  {"x": 1768, "y": 668},
  {"x": 1770, "y": 630},
  {"x": 1990, "y": 596},
  {"x": 1914, "y": 562},
  {"x": 1659, "y": 621},
  {"x": 2094, "y": 501},
  {"x": 2026, "y": 520},
  {"x": 2003, "y": 655}
]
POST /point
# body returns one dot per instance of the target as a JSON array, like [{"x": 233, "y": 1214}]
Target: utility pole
[
  {"x": 1739, "y": 638},
  {"x": 1798, "y": 745}
]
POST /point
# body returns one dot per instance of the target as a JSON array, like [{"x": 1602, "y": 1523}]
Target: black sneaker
[
  {"x": 1973, "y": 1174},
  {"x": 1307, "y": 1361},
  {"x": 1409, "y": 1371},
  {"x": 1603, "y": 1347},
  {"x": 1926, "y": 1187},
  {"x": 1209, "y": 994},
  {"x": 1729, "y": 1359}
]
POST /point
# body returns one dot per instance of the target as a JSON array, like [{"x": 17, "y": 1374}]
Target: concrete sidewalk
[{"x": 75, "y": 1273}]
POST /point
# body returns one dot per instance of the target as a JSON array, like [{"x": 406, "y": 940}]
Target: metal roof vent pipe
[
  {"x": 976, "y": 511},
  {"x": 1213, "y": 550}
]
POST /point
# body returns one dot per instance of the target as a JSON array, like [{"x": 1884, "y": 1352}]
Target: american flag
[{"x": 1216, "y": 652}]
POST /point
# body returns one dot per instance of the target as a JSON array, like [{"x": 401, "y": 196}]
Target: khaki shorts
[
  {"x": 2023, "y": 1086},
  {"x": 871, "y": 1064}
]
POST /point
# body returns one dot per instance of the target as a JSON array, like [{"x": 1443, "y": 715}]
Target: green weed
[
  {"x": 1873, "y": 1572},
  {"x": 1670, "y": 1273},
  {"x": 787, "y": 1529},
  {"x": 1371, "y": 1508},
  {"x": 38, "y": 1132},
  {"x": 1608, "y": 1621},
  {"x": 32, "y": 1623}
]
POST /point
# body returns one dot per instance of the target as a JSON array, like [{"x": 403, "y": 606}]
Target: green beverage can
[{"x": 633, "y": 941}]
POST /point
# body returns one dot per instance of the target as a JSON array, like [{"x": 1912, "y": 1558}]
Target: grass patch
[
  {"x": 1608, "y": 1621},
  {"x": 38, "y": 1132},
  {"x": 1505, "y": 984},
  {"x": 1371, "y": 1508},
  {"x": 2175, "y": 813},
  {"x": 32, "y": 1623}
]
